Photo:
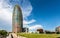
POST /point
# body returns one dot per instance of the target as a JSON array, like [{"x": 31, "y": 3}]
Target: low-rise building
[
  {"x": 40, "y": 30},
  {"x": 57, "y": 30}
]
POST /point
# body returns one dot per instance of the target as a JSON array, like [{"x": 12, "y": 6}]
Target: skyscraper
[{"x": 17, "y": 19}]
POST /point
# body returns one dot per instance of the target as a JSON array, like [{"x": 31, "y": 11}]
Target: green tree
[{"x": 3, "y": 32}]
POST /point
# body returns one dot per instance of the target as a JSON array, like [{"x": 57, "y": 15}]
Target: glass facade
[{"x": 17, "y": 20}]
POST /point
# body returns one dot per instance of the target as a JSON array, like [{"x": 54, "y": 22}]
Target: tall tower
[{"x": 17, "y": 19}]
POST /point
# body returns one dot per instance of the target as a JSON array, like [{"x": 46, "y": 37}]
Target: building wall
[
  {"x": 17, "y": 19},
  {"x": 57, "y": 29},
  {"x": 40, "y": 30}
]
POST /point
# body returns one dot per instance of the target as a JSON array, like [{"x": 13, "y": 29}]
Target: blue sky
[
  {"x": 36, "y": 13},
  {"x": 46, "y": 13}
]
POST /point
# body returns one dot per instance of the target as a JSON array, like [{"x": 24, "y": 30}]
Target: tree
[{"x": 3, "y": 33}]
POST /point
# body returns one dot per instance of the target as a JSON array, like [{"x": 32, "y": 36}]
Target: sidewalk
[{"x": 15, "y": 36}]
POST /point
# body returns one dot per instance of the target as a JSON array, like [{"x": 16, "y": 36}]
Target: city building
[
  {"x": 17, "y": 19},
  {"x": 57, "y": 30},
  {"x": 25, "y": 30},
  {"x": 40, "y": 30}
]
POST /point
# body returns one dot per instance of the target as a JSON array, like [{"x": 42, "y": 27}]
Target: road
[
  {"x": 9, "y": 36},
  {"x": 14, "y": 36}
]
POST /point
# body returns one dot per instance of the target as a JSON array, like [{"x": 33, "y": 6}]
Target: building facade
[
  {"x": 25, "y": 30},
  {"x": 57, "y": 30},
  {"x": 17, "y": 19},
  {"x": 40, "y": 30}
]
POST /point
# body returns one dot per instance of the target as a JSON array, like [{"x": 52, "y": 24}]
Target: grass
[{"x": 39, "y": 35}]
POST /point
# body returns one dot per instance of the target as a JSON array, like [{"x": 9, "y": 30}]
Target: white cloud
[
  {"x": 26, "y": 8},
  {"x": 36, "y": 27},
  {"x": 4, "y": 15},
  {"x": 6, "y": 11},
  {"x": 27, "y": 11},
  {"x": 28, "y": 22}
]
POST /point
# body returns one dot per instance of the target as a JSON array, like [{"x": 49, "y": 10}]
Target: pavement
[
  {"x": 9, "y": 36},
  {"x": 14, "y": 36}
]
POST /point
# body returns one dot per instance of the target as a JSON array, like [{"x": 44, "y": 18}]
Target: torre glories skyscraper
[{"x": 17, "y": 19}]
